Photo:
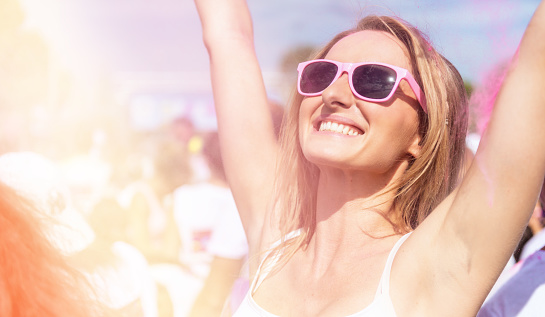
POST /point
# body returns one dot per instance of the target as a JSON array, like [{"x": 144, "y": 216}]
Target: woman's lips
[{"x": 337, "y": 124}]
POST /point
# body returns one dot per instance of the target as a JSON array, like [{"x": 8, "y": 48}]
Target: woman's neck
[
  {"x": 358, "y": 197},
  {"x": 353, "y": 211}
]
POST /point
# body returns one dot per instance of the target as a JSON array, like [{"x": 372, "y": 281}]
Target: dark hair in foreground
[{"x": 35, "y": 279}]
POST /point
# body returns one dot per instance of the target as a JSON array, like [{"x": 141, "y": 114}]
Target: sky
[{"x": 154, "y": 36}]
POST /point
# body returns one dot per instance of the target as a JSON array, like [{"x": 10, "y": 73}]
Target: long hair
[
  {"x": 429, "y": 177},
  {"x": 35, "y": 279}
]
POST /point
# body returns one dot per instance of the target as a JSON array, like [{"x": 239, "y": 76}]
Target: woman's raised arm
[
  {"x": 466, "y": 242},
  {"x": 248, "y": 143}
]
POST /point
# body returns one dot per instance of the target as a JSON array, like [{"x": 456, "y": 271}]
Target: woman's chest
[{"x": 299, "y": 290}]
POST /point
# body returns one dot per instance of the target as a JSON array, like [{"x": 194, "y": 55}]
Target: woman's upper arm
[
  {"x": 466, "y": 242},
  {"x": 247, "y": 138},
  {"x": 499, "y": 192}
]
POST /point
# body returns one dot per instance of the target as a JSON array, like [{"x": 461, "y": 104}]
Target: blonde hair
[{"x": 429, "y": 177}]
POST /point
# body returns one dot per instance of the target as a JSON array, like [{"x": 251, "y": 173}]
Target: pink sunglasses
[{"x": 375, "y": 82}]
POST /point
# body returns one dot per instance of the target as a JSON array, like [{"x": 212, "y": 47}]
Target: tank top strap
[
  {"x": 261, "y": 273},
  {"x": 384, "y": 284}
]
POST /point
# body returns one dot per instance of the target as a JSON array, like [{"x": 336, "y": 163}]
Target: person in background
[
  {"x": 116, "y": 273},
  {"x": 522, "y": 293},
  {"x": 147, "y": 200},
  {"x": 189, "y": 139},
  {"x": 536, "y": 225},
  {"x": 118, "y": 270},
  {"x": 37, "y": 277},
  {"x": 229, "y": 249},
  {"x": 148, "y": 204},
  {"x": 214, "y": 246}
]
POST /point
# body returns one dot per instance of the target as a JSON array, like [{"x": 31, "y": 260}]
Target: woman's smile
[{"x": 338, "y": 125}]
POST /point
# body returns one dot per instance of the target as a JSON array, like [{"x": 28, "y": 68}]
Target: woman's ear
[{"x": 415, "y": 147}]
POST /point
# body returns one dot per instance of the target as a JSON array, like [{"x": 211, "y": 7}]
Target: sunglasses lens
[
  {"x": 316, "y": 77},
  {"x": 374, "y": 81}
]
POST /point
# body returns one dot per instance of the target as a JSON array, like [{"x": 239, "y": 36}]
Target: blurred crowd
[
  {"x": 146, "y": 228},
  {"x": 101, "y": 216},
  {"x": 144, "y": 232}
]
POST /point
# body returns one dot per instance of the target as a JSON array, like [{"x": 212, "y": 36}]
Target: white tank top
[{"x": 380, "y": 307}]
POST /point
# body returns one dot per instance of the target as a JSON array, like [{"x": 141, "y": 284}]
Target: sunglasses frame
[{"x": 401, "y": 73}]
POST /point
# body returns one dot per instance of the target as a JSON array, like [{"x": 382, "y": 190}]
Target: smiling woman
[{"x": 367, "y": 165}]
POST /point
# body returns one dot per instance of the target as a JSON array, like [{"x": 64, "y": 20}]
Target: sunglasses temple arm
[{"x": 417, "y": 91}]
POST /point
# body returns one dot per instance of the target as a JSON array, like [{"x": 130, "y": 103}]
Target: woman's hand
[{"x": 224, "y": 20}]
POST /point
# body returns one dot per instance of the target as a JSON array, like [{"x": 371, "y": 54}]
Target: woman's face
[{"x": 387, "y": 131}]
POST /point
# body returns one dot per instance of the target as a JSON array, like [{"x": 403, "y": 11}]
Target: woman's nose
[{"x": 339, "y": 93}]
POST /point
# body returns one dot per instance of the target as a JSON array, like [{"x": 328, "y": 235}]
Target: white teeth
[{"x": 338, "y": 128}]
